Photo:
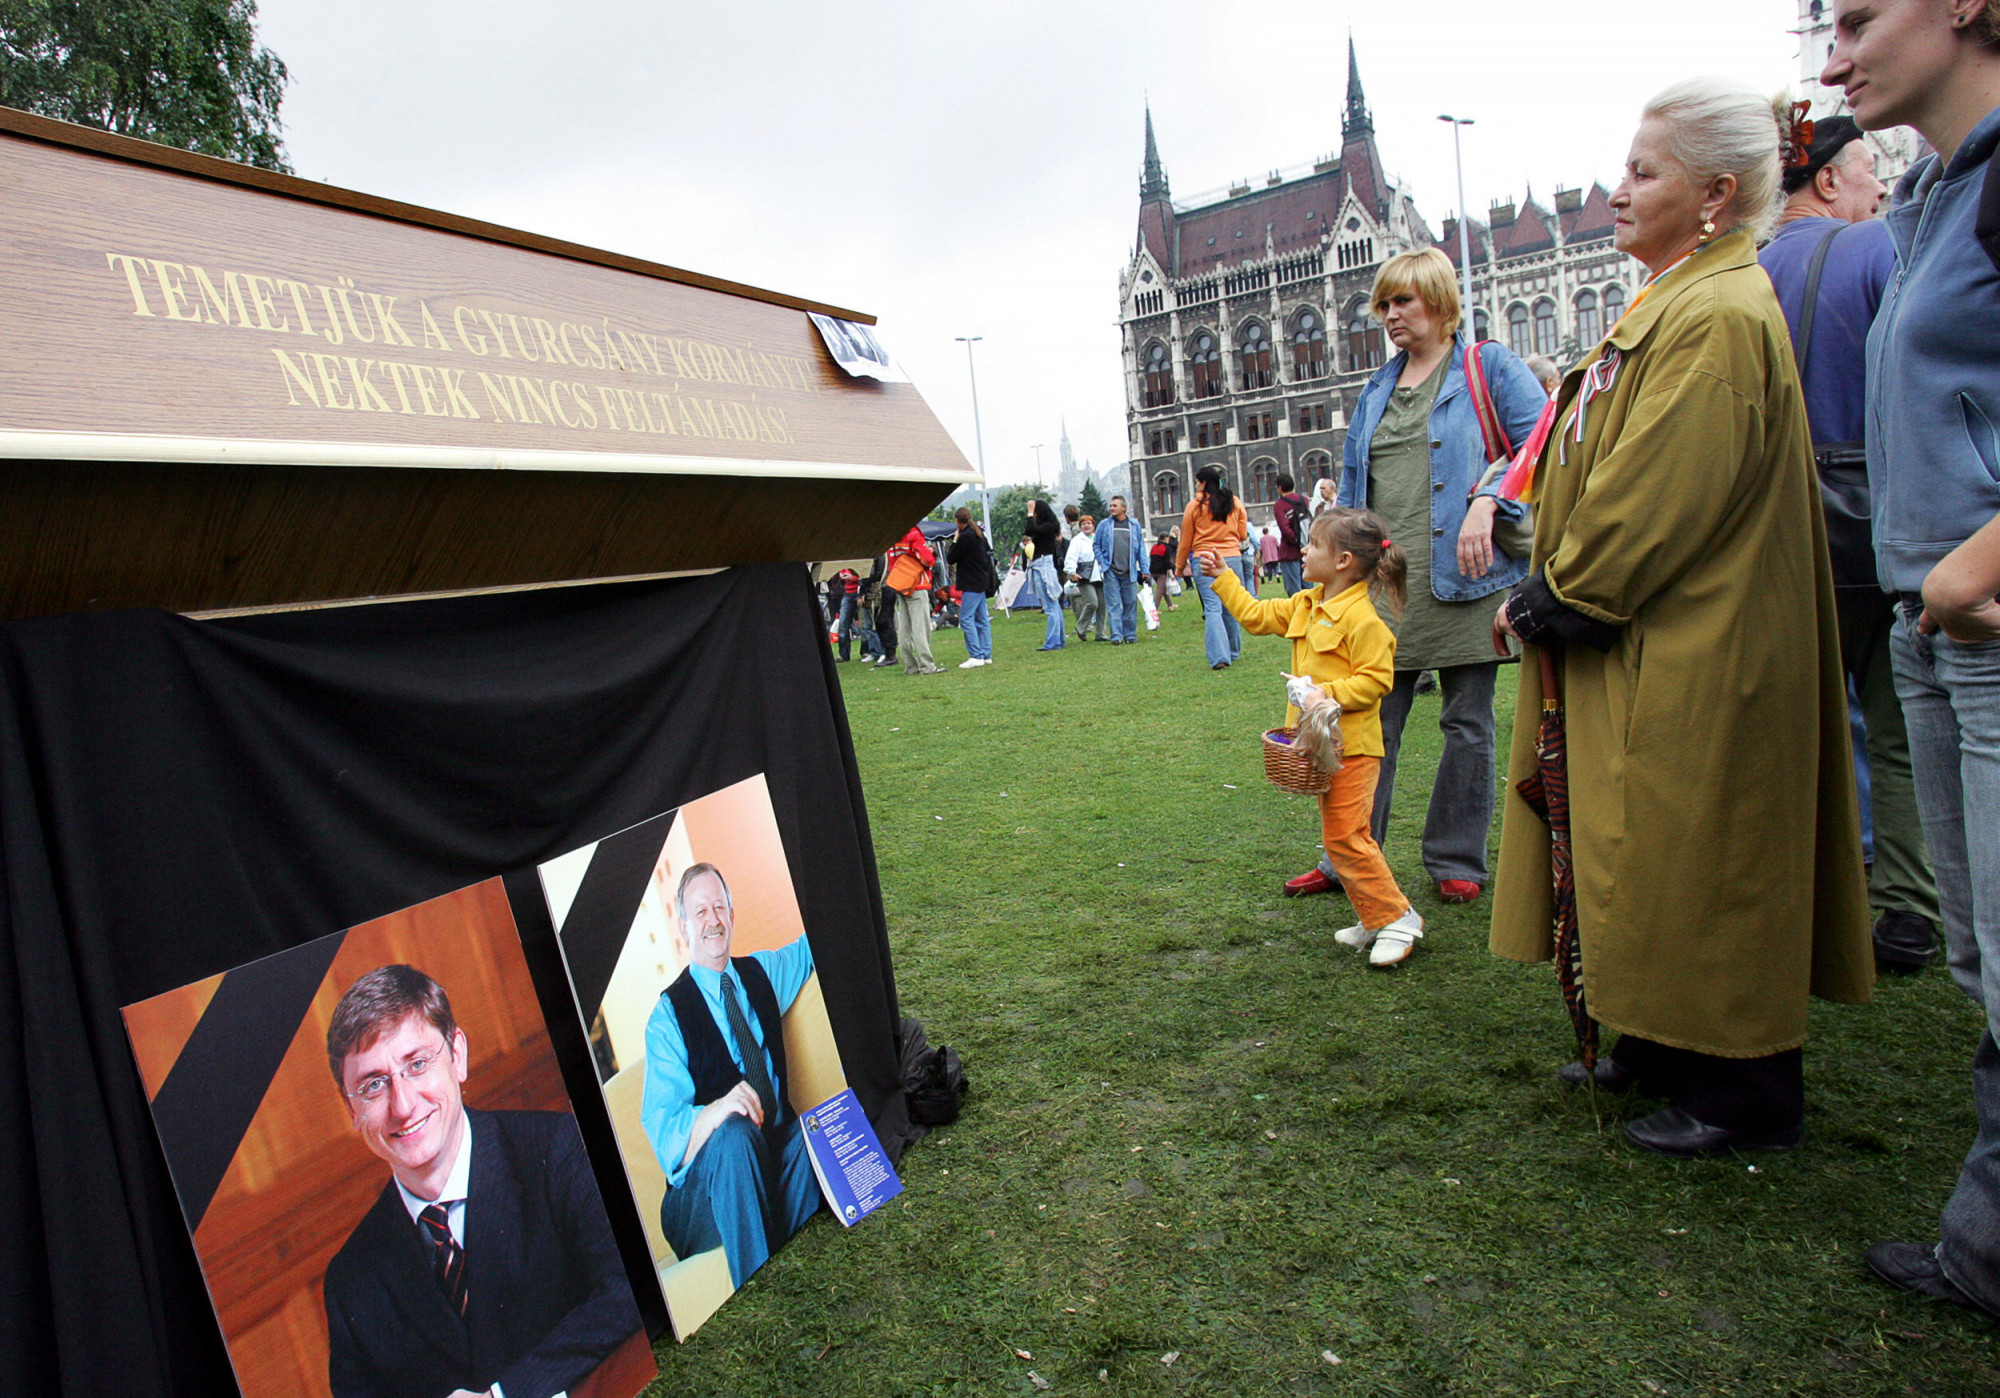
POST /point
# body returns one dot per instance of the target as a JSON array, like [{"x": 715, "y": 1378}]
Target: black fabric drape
[{"x": 180, "y": 797}]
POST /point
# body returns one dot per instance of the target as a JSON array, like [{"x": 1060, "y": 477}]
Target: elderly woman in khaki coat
[{"x": 1680, "y": 573}]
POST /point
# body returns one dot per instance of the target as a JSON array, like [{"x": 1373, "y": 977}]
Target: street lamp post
[
  {"x": 1036, "y": 448},
  {"x": 1464, "y": 234},
  {"x": 978, "y": 439}
]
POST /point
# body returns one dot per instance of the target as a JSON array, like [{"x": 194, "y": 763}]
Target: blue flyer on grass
[{"x": 854, "y": 1175}]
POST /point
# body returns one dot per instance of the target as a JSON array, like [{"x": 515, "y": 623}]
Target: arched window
[
  {"x": 1308, "y": 347},
  {"x": 1263, "y": 480},
  {"x": 1314, "y": 465},
  {"x": 1167, "y": 493},
  {"x": 1589, "y": 326},
  {"x": 1482, "y": 324},
  {"x": 1157, "y": 390},
  {"x": 1517, "y": 330},
  {"x": 1614, "y": 306},
  {"x": 1205, "y": 361},
  {"x": 1254, "y": 355},
  {"x": 1364, "y": 338},
  {"x": 1545, "y": 326}
]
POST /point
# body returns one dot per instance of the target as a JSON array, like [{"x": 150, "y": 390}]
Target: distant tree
[
  {"x": 1010, "y": 516},
  {"x": 186, "y": 73},
  {"x": 1091, "y": 502}
]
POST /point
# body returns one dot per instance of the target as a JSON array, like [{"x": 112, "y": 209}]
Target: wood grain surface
[
  {"x": 91, "y": 536},
  {"x": 370, "y": 374}
]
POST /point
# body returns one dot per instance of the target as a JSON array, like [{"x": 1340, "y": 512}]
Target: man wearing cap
[{"x": 1830, "y": 261}]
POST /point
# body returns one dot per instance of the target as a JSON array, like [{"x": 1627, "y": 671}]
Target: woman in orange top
[{"x": 1214, "y": 523}]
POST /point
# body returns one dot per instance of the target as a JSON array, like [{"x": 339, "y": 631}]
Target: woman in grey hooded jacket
[{"x": 1934, "y": 478}]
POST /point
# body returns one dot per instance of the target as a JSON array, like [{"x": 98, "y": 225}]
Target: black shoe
[
  {"x": 1904, "y": 941},
  {"x": 1673, "y": 1132},
  {"x": 1914, "y": 1267},
  {"x": 840, "y": 660},
  {"x": 1427, "y": 682},
  {"x": 1611, "y": 1075}
]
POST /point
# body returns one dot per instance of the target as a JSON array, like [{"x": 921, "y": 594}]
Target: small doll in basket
[
  {"x": 1318, "y": 735},
  {"x": 1345, "y": 659}
]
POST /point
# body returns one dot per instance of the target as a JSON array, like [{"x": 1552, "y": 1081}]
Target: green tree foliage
[
  {"x": 1010, "y": 517},
  {"x": 186, "y": 73},
  {"x": 1091, "y": 502}
]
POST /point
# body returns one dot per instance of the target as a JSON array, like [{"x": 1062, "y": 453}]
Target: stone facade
[
  {"x": 1246, "y": 331},
  {"x": 1896, "y": 149}
]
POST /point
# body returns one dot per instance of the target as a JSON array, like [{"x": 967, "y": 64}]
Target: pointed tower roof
[
  {"x": 1357, "y": 121},
  {"x": 1360, "y": 162},
  {"x": 1153, "y": 182}
]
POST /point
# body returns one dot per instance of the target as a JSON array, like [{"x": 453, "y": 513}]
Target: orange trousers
[{"x": 1344, "y": 811}]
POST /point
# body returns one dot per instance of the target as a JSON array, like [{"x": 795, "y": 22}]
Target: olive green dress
[{"x": 1431, "y": 634}]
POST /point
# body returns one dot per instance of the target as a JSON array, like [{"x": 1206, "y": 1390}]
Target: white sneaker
[
  {"x": 1395, "y": 942},
  {"x": 970, "y": 663},
  {"x": 1356, "y": 936},
  {"x": 987, "y": 661}
]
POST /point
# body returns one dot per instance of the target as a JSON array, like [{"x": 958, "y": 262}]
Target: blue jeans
[
  {"x": 1121, "y": 604},
  {"x": 1291, "y": 572},
  {"x": 846, "y": 624},
  {"x": 1461, "y": 804},
  {"x": 1951, "y": 706},
  {"x": 746, "y": 1192},
  {"x": 977, "y": 625},
  {"x": 1045, "y": 578},
  {"x": 1221, "y": 637}
]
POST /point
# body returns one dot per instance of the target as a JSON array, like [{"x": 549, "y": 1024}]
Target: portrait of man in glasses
[
  {"x": 714, "y": 1105},
  {"x": 486, "y": 1265}
]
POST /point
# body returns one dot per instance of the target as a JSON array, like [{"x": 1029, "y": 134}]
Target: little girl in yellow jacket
[{"x": 1348, "y": 654}]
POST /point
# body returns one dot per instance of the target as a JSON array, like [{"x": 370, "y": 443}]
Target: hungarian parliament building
[{"x": 1245, "y": 323}]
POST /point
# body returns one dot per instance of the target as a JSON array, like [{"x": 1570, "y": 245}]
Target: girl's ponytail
[
  {"x": 1384, "y": 566},
  {"x": 1392, "y": 576}
]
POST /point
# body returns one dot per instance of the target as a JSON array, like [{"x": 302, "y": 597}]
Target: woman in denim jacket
[{"x": 1414, "y": 454}]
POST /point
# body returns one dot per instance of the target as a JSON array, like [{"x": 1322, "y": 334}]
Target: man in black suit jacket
[{"x": 486, "y": 1265}]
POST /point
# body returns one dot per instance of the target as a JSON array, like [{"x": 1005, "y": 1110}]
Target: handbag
[
  {"x": 1842, "y": 466},
  {"x": 906, "y": 574},
  {"x": 1513, "y": 537},
  {"x": 1492, "y": 432}
]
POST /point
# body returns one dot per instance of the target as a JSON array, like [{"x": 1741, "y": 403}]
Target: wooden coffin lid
[{"x": 222, "y": 387}]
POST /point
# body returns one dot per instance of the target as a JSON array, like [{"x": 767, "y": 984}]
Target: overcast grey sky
[{"x": 962, "y": 169}]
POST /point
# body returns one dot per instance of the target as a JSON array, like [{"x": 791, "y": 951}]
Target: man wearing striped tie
[
  {"x": 487, "y": 1265},
  {"x": 738, "y": 1173}
]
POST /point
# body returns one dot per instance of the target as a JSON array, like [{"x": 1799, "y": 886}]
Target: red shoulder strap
[{"x": 1498, "y": 446}]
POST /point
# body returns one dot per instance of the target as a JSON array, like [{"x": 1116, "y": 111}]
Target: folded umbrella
[{"x": 1546, "y": 791}]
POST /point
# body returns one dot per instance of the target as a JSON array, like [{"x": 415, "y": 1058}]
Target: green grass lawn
[{"x": 1207, "y": 1147}]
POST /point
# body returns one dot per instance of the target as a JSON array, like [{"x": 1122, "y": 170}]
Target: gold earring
[{"x": 1707, "y": 229}]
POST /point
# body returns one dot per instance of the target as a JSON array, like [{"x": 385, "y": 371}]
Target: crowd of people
[{"x": 1760, "y": 559}]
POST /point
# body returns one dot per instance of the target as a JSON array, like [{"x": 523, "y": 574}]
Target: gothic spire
[
  {"x": 1357, "y": 121},
  {"x": 1153, "y": 183}
]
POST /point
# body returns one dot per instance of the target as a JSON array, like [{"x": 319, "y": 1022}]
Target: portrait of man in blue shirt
[{"x": 714, "y": 1107}]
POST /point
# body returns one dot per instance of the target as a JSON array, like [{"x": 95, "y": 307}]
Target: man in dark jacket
[
  {"x": 1292, "y": 516},
  {"x": 487, "y": 1263}
]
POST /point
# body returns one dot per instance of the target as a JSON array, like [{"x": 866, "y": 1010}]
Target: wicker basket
[{"x": 1288, "y": 768}]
